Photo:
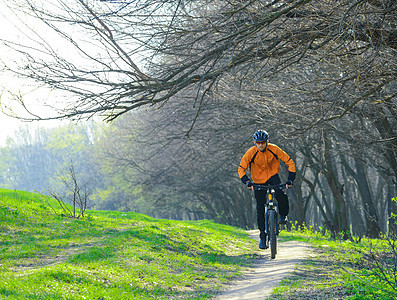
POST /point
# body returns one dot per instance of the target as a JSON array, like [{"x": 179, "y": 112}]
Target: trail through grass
[{"x": 114, "y": 255}]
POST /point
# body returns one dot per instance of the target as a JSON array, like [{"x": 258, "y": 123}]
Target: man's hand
[
  {"x": 288, "y": 184},
  {"x": 249, "y": 185}
]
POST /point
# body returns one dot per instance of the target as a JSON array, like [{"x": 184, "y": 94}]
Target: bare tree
[
  {"x": 313, "y": 68},
  {"x": 142, "y": 54},
  {"x": 76, "y": 195}
]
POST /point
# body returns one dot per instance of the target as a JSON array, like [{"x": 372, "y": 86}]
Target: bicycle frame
[
  {"x": 271, "y": 201},
  {"x": 271, "y": 215}
]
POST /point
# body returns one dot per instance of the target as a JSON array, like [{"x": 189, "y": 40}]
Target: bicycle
[{"x": 271, "y": 215}]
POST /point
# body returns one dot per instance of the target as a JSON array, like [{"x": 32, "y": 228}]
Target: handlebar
[{"x": 268, "y": 187}]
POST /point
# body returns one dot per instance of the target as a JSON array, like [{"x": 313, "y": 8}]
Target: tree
[
  {"x": 30, "y": 164},
  {"x": 77, "y": 194},
  {"x": 31, "y": 159},
  {"x": 317, "y": 71},
  {"x": 133, "y": 55}
]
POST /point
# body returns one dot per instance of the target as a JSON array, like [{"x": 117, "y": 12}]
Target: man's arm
[
  {"x": 242, "y": 169},
  {"x": 289, "y": 162}
]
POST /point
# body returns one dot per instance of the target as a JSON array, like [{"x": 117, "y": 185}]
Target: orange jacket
[{"x": 265, "y": 164}]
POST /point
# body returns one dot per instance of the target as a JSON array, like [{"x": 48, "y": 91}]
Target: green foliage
[
  {"x": 68, "y": 138},
  {"x": 123, "y": 186},
  {"x": 32, "y": 161},
  {"x": 112, "y": 255},
  {"x": 393, "y": 215}
]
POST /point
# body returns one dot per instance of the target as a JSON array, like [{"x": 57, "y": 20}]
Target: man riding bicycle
[{"x": 263, "y": 159}]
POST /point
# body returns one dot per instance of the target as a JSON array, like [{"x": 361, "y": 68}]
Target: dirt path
[{"x": 259, "y": 281}]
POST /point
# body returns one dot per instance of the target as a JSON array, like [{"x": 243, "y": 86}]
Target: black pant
[{"x": 260, "y": 196}]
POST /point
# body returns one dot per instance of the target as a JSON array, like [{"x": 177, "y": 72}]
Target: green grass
[
  {"x": 340, "y": 269},
  {"x": 112, "y": 255}
]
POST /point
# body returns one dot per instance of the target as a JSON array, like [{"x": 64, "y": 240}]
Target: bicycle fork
[{"x": 270, "y": 205}]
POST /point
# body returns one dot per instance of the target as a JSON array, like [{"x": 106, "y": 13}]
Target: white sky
[
  {"x": 8, "y": 31},
  {"x": 7, "y": 125}
]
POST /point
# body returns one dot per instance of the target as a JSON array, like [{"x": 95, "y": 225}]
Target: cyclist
[{"x": 263, "y": 159}]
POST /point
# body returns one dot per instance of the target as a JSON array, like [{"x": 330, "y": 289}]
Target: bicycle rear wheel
[{"x": 272, "y": 234}]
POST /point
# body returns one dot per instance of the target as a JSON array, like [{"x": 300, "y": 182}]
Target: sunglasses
[{"x": 260, "y": 143}]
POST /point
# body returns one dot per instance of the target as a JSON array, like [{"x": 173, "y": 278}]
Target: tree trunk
[
  {"x": 296, "y": 203},
  {"x": 370, "y": 213},
  {"x": 326, "y": 218},
  {"x": 371, "y": 216},
  {"x": 336, "y": 189},
  {"x": 390, "y": 148}
]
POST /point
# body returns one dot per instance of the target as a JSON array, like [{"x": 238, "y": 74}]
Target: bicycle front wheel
[{"x": 272, "y": 233}]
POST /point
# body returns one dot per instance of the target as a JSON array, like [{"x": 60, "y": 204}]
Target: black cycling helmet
[{"x": 261, "y": 136}]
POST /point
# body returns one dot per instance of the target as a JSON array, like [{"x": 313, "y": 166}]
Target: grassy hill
[{"x": 112, "y": 255}]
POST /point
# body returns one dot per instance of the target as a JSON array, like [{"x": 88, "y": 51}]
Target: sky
[
  {"x": 8, "y": 125},
  {"x": 8, "y": 31}
]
